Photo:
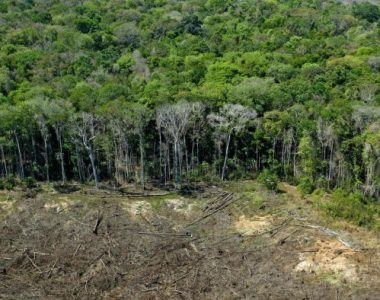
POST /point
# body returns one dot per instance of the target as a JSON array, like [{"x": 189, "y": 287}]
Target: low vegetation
[{"x": 353, "y": 207}]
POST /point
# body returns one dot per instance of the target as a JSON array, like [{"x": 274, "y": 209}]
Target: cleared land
[{"x": 238, "y": 241}]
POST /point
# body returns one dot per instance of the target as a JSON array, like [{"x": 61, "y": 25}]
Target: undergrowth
[{"x": 350, "y": 206}]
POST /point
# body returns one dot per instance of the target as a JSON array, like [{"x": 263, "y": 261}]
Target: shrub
[
  {"x": 7, "y": 183},
  {"x": 352, "y": 207},
  {"x": 201, "y": 172},
  {"x": 367, "y": 11},
  {"x": 235, "y": 169},
  {"x": 305, "y": 185},
  {"x": 269, "y": 179},
  {"x": 30, "y": 182},
  {"x": 322, "y": 183}
]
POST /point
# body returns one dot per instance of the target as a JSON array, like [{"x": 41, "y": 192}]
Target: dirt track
[{"x": 213, "y": 245}]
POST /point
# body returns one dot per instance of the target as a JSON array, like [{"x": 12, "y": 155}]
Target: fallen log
[
  {"x": 97, "y": 223},
  {"x": 329, "y": 232},
  {"x": 227, "y": 202}
]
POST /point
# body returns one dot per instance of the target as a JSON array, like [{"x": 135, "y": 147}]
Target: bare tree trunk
[
  {"x": 4, "y": 161},
  {"x": 192, "y": 153},
  {"x": 46, "y": 156},
  {"x": 186, "y": 156},
  {"x": 324, "y": 160},
  {"x": 121, "y": 156},
  {"x": 294, "y": 161},
  {"x": 124, "y": 151},
  {"x": 257, "y": 157},
  {"x": 330, "y": 165},
  {"x": 226, "y": 156},
  {"x": 86, "y": 131},
  {"x": 165, "y": 159},
  {"x": 154, "y": 154},
  {"x": 58, "y": 133},
  {"x": 167, "y": 162},
  {"x": 126, "y": 165},
  {"x": 160, "y": 149},
  {"x": 179, "y": 157},
  {"x": 109, "y": 163},
  {"x": 142, "y": 166},
  {"x": 168, "y": 167},
  {"x": 197, "y": 151},
  {"x": 33, "y": 149},
  {"x": 219, "y": 146},
  {"x": 21, "y": 164},
  {"x": 79, "y": 165},
  {"x": 283, "y": 149},
  {"x": 117, "y": 156},
  {"x": 93, "y": 166},
  {"x": 176, "y": 162}
]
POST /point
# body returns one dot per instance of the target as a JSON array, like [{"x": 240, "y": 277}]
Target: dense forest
[{"x": 172, "y": 91}]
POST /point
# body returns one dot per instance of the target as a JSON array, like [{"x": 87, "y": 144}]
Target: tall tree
[
  {"x": 37, "y": 107},
  {"x": 84, "y": 125},
  {"x": 58, "y": 112},
  {"x": 232, "y": 118},
  {"x": 174, "y": 120},
  {"x": 139, "y": 116}
]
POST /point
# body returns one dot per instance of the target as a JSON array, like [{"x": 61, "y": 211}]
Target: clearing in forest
[{"x": 238, "y": 241}]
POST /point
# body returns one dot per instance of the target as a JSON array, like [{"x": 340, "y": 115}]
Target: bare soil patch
[
  {"x": 138, "y": 208},
  {"x": 329, "y": 256},
  {"x": 216, "y": 245},
  {"x": 253, "y": 226}
]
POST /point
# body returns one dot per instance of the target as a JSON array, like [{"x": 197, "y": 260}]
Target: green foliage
[
  {"x": 86, "y": 25},
  {"x": 305, "y": 185},
  {"x": 352, "y": 207},
  {"x": 125, "y": 63},
  {"x": 367, "y": 11},
  {"x": 307, "y": 154},
  {"x": 127, "y": 35},
  {"x": 30, "y": 182},
  {"x": 202, "y": 172},
  {"x": 311, "y": 70},
  {"x": 221, "y": 72},
  {"x": 8, "y": 183},
  {"x": 41, "y": 17},
  {"x": 22, "y": 61},
  {"x": 269, "y": 179},
  {"x": 190, "y": 24},
  {"x": 281, "y": 72},
  {"x": 254, "y": 63},
  {"x": 83, "y": 96}
]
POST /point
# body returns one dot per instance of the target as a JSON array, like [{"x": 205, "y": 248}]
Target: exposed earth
[{"x": 237, "y": 241}]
